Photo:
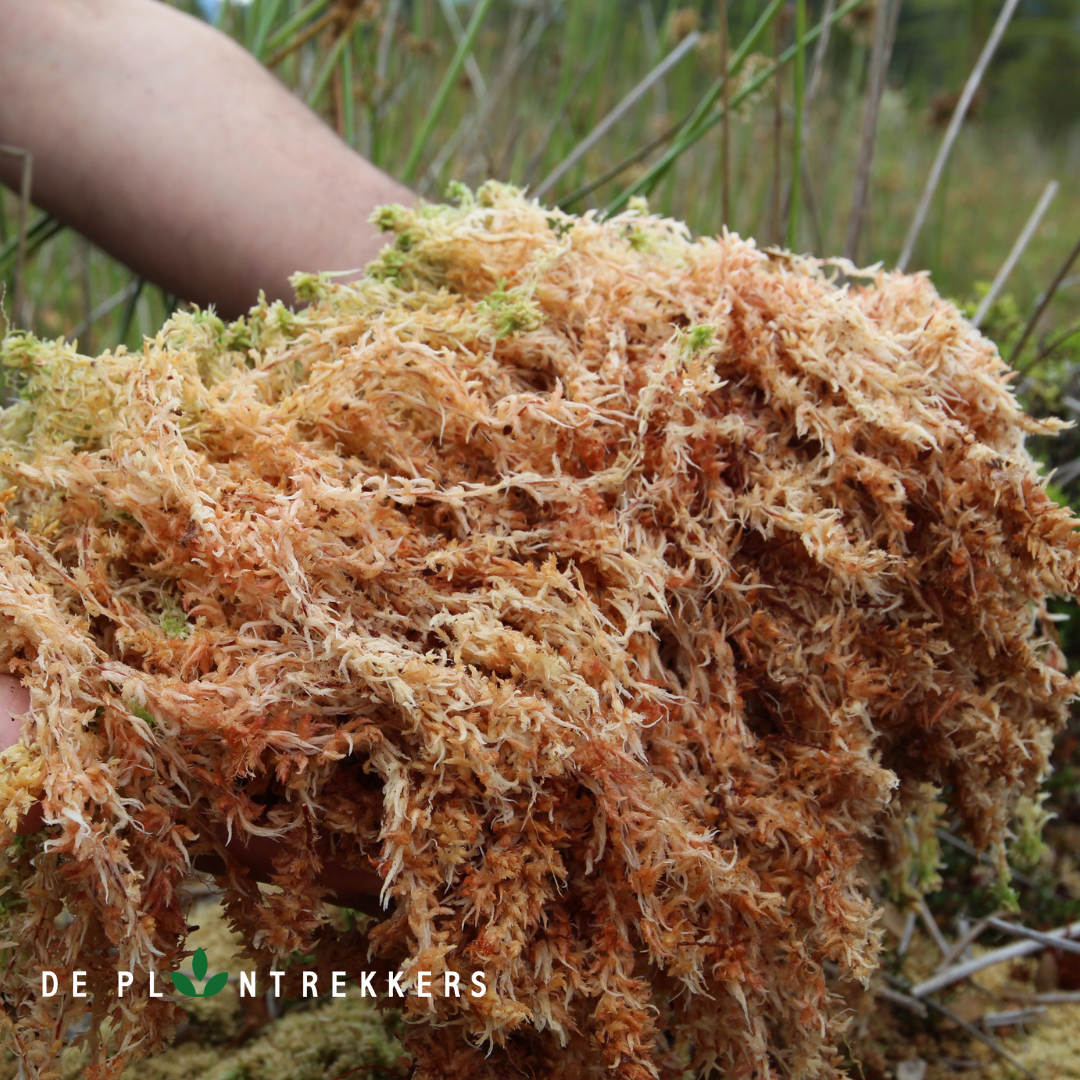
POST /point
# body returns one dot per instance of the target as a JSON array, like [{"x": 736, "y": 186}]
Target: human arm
[{"x": 170, "y": 147}]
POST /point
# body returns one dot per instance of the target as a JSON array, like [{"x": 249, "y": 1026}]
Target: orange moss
[{"x": 601, "y": 585}]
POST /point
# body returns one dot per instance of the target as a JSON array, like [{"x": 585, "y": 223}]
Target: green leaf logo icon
[
  {"x": 184, "y": 984},
  {"x": 214, "y": 985}
]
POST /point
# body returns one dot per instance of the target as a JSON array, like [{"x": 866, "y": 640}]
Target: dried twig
[
  {"x": 443, "y": 93},
  {"x": 557, "y": 120},
  {"x": 819, "y": 62},
  {"x": 795, "y": 193},
  {"x": 1011, "y": 1017},
  {"x": 1037, "y": 315},
  {"x": 1057, "y": 997},
  {"x": 386, "y": 39},
  {"x": 963, "y": 942},
  {"x": 932, "y": 927},
  {"x": 885, "y": 21},
  {"x": 43, "y": 229},
  {"x": 903, "y": 1000},
  {"x": 909, "y": 1001},
  {"x": 986, "y": 1040},
  {"x": 906, "y": 1001},
  {"x": 1018, "y": 248},
  {"x": 104, "y": 308},
  {"x": 1016, "y": 930},
  {"x": 616, "y": 114},
  {"x": 997, "y": 956},
  {"x": 1053, "y": 345},
  {"x": 464, "y": 135},
  {"x": 621, "y": 166},
  {"x": 932, "y": 181},
  {"x": 472, "y": 68},
  {"x": 909, "y": 932},
  {"x": 981, "y": 856},
  {"x": 129, "y": 309}
]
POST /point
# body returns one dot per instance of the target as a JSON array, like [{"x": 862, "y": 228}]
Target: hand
[{"x": 352, "y": 888}]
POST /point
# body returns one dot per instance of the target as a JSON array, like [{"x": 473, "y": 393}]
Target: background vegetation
[
  {"x": 442, "y": 90},
  {"x": 541, "y": 74}
]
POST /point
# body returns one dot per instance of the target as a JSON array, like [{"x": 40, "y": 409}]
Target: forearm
[{"x": 168, "y": 146}]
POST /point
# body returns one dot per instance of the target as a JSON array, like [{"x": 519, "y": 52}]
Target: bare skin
[
  {"x": 167, "y": 145},
  {"x": 350, "y": 887}
]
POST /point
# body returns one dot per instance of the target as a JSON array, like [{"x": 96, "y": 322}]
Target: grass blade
[
  {"x": 621, "y": 166},
  {"x": 953, "y": 130},
  {"x": 1022, "y": 242},
  {"x": 471, "y": 124},
  {"x": 381, "y": 100},
  {"x": 266, "y": 20},
  {"x": 563, "y": 108},
  {"x": 443, "y": 93},
  {"x": 287, "y": 29},
  {"x": 305, "y": 35},
  {"x": 129, "y": 309},
  {"x": 819, "y": 61},
  {"x": 775, "y": 228},
  {"x": 811, "y": 94},
  {"x": 472, "y": 68},
  {"x": 885, "y": 20},
  {"x": 21, "y": 230},
  {"x": 698, "y": 119},
  {"x": 725, "y": 131},
  {"x": 654, "y": 49},
  {"x": 617, "y": 113},
  {"x": 695, "y": 129},
  {"x": 796, "y": 153},
  {"x": 81, "y": 251},
  {"x": 330, "y": 61},
  {"x": 43, "y": 229},
  {"x": 348, "y": 93},
  {"x": 386, "y": 40}
]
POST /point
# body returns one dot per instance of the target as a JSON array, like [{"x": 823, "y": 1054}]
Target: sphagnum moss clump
[{"x": 609, "y": 589}]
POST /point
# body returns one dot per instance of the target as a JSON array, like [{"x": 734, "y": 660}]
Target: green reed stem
[{"x": 443, "y": 95}]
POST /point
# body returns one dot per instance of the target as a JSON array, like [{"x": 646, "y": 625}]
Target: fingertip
[
  {"x": 14, "y": 697},
  {"x": 14, "y": 701}
]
